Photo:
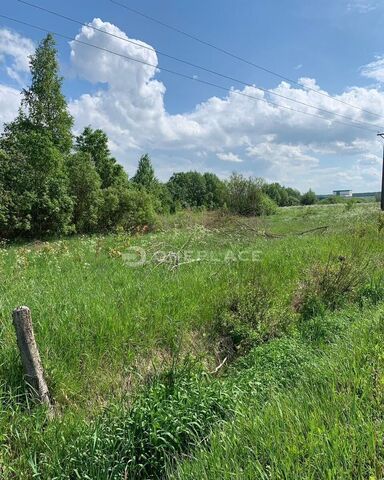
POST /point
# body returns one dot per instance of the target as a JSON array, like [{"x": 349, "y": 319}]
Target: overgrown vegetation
[
  {"x": 328, "y": 426},
  {"x": 141, "y": 405},
  {"x": 53, "y": 184},
  {"x": 249, "y": 318},
  {"x": 226, "y": 343},
  {"x": 331, "y": 285}
]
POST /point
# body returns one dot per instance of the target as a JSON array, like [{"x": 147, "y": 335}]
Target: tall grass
[
  {"x": 107, "y": 333},
  {"x": 330, "y": 426}
]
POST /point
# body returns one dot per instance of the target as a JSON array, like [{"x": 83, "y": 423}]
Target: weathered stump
[{"x": 30, "y": 357}]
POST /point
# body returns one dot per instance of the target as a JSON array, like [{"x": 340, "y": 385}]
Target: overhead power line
[
  {"x": 238, "y": 57},
  {"x": 182, "y": 75},
  {"x": 213, "y": 72}
]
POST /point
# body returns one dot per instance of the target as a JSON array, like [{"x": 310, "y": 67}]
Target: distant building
[
  {"x": 349, "y": 194},
  {"x": 342, "y": 193},
  {"x": 367, "y": 195}
]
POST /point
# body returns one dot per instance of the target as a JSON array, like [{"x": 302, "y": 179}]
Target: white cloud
[
  {"x": 369, "y": 160},
  {"x": 9, "y": 103},
  {"x": 362, "y": 6},
  {"x": 293, "y": 156},
  {"x": 374, "y": 70},
  {"x": 260, "y": 138},
  {"x": 229, "y": 157},
  {"x": 14, "y": 52},
  {"x": 131, "y": 108},
  {"x": 18, "y": 48}
]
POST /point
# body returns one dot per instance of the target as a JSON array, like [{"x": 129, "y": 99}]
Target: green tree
[
  {"x": 85, "y": 188},
  {"x": 294, "y": 196},
  {"x": 36, "y": 144},
  {"x": 14, "y": 208},
  {"x": 246, "y": 196},
  {"x": 162, "y": 198},
  {"x": 215, "y": 191},
  {"x": 37, "y": 185},
  {"x": 188, "y": 189},
  {"x": 95, "y": 143},
  {"x": 145, "y": 179},
  {"x": 145, "y": 174},
  {"x": 44, "y": 104},
  {"x": 283, "y": 196},
  {"x": 309, "y": 198}
]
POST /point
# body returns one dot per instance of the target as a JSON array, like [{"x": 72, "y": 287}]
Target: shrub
[
  {"x": 332, "y": 200},
  {"x": 127, "y": 209},
  {"x": 329, "y": 286},
  {"x": 247, "y": 319},
  {"x": 309, "y": 198},
  {"x": 137, "y": 211},
  {"x": 246, "y": 197},
  {"x": 267, "y": 206}
]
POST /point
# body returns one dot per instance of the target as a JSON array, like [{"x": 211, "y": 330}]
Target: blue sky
[{"x": 186, "y": 125}]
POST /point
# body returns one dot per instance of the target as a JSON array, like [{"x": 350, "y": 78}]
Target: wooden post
[{"x": 29, "y": 353}]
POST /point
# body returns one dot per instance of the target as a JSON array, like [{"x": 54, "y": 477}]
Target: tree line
[{"x": 52, "y": 182}]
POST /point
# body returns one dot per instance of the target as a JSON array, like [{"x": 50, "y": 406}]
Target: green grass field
[{"x": 293, "y": 309}]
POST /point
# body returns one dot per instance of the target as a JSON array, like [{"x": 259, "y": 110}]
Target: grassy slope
[
  {"x": 330, "y": 426},
  {"x": 90, "y": 311},
  {"x": 99, "y": 323}
]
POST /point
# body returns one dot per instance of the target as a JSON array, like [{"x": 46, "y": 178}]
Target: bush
[
  {"x": 246, "y": 320},
  {"x": 330, "y": 286},
  {"x": 309, "y": 198},
  {"x": 131, "y": 210},
  {"x": 246, "y": 197},
  {"x": 267, "y": 206},
  {"x": 137, "y": 211},
  {"x": 332, "y": 200}
]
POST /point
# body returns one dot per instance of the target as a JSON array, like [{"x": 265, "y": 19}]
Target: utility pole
[{"x": 381, "y": 135}]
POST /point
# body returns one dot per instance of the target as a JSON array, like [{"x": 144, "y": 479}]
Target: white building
[{"x": 342, "y": 193}]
